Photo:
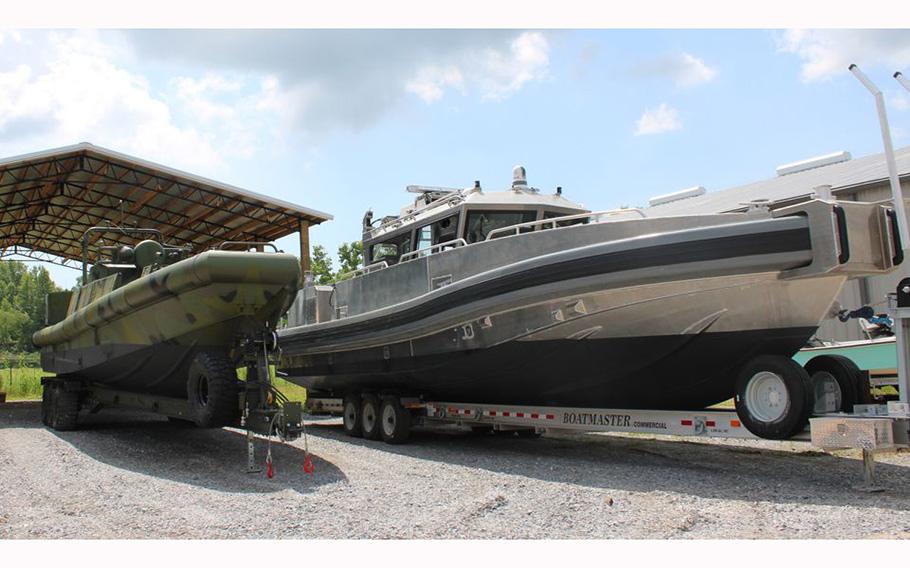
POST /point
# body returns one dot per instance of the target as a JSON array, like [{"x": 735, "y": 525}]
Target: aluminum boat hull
[
  {"x": 669, "y": 345},
  {"x": 655, "y": 321}
]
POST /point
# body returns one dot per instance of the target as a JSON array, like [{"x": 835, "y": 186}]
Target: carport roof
[{"x": 49, "y": 199}]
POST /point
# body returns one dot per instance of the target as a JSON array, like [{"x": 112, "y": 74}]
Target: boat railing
[
  {"x": 450, "y": 200},
  {"x": 364, "y": 270},
  {"x": 432, "y": 250},
  {"x": 554, "y": 222},
  {"x": 248, "y": 244}
]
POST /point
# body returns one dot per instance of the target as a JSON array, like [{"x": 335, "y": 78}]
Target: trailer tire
[
  {"x": 845, "y": 373},
  {"x": 369, "y": 417},
  {"x": 352, "y": 416},
  {"x": 773, "y": 397},
  {"x": 212, "y": 390},
  {"x": 395, "y": 421}
]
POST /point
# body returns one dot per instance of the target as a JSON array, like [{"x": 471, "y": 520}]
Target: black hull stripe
[{"x": 771, "y": 242}]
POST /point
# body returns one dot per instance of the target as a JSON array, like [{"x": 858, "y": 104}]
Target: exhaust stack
[{"x": 896, "y": 193}]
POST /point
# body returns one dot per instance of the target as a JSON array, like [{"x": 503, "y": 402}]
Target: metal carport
[{"x": 49, "y": 199}]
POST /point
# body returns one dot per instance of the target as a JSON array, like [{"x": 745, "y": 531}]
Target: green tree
[
  {"x": 350, "y": 256},
  {"x": 13, "y": 323},
  {"x": 22, "y": 292},
  {"x": 321, "y": 266}
]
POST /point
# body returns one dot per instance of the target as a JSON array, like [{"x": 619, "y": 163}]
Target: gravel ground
[{"x": 127, "y": 475}]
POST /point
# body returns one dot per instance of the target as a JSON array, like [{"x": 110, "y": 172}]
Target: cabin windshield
[
  {"x": 392, "y": 249},
  {"x": 480, "y": 223}
]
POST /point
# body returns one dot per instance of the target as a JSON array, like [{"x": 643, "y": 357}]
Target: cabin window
[
  {"x": 554, "y": 214},
  {"x": 441, "y": 231},
  {"x": 424, "y": 237},
  {"x": 480, "y": 223},
  {"x": 392, "y": 249}
]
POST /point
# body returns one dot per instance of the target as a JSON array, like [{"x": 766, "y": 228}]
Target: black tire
[
  {"x": 351, "y": 414},
  {"x": 63, "y": 412},
  {"x": 369, "y": 417},
  {"x": 786, "y": 410},
  {"x": 845, "y": 373},
  {"x": 212, "y": 390},
  {"x": 395, "y": 421}
]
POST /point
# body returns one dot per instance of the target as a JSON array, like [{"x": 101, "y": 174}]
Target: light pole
[{"x": 896, "y": 193}]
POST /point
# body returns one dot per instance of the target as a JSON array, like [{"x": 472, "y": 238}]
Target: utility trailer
[{"x": 877, "y": 428}]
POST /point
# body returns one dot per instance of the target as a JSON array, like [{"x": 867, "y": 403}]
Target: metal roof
[
  {"x": 48, "y": 199},
  {"x": 842, "y": 176}
]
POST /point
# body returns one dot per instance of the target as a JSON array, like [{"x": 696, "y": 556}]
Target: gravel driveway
[{"x": 126, "y": 475}]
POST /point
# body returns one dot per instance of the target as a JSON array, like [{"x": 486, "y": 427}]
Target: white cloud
[
  {"x": 495, "y": 73},
  {"x": 826, "y": 53},
  {"x": 899, "y": 101},
  {"x": 684, "y": 69},
  {"x": 348, "y": 79},
  {"x": 693, "y": 71},
  {"x": 662, "y": 119},
  {"x": 195, "y": 99},
  {"x": 431, "y": 82},
  {"x": 64, "y": 89}
]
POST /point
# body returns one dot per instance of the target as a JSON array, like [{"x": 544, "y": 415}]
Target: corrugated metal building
[{"x": 860, "y": 179}]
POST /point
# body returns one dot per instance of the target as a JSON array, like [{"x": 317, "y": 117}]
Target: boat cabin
[{"x": 441, "y": 218}]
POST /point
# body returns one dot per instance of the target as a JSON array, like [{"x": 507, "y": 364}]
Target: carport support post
[{"x": 304, "y": 247}]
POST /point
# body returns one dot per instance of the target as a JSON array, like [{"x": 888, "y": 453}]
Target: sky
[{"x": 342, "y": 120}]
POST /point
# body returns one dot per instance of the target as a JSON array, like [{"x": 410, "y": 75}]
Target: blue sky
[{"x": 342, "y": 121}]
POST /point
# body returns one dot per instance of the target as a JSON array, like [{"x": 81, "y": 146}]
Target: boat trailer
[{"x": 262, "y": 409}]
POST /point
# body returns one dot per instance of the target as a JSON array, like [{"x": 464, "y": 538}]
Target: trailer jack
[{"x": 266, "y": 410}]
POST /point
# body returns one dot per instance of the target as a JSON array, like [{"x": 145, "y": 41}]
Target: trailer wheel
[
  {"x": 838, "y": 373},
  {"x": 369, "y": 417},
  {"x": 395, "y": 421},
  {"x": 351, "y": 416},
  {"x": 59, "y": 407},
  {"x": 212, "y": 388},
  {"x": 773, "y": 397}
]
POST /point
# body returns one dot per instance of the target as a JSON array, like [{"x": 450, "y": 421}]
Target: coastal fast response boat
[{"x": 520, "y": 297}]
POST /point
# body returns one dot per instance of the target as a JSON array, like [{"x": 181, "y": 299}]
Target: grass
[
  {"x": 21, "y": 383},
  {"x": 290, "y": 390}
]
